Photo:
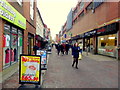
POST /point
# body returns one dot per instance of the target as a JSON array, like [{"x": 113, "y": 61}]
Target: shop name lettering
[
  {"x": 25, "y": 59},
  {"x": 108, "y": 50},
  {"x": 101, "y": 30},
  {"x": 9, "y": 9},
  {"x": 26, "y": 78}
]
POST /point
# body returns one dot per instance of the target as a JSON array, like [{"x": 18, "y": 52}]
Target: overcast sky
[{"x": 54, "y": 13}]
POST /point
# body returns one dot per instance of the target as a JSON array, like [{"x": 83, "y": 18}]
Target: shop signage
[
  {"x": 90, "y": 33},
  {"x": 109, "y": 29},
  {"x": 101, "y": 30},
  {"x": 78, "y": 37},
  {"x": 10, "y": 14},
  {"x": 30, "y": 69}
]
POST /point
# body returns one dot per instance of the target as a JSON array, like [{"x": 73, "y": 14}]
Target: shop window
[
  {"x": 14, "y": 37},
  {"x": 20, "y": 2},
  {"x": 20, "y": 43},
  {"x": 107, "y": 45},
  {"x": 10, "y": 46},
  {"x": 6, "y": 46}
]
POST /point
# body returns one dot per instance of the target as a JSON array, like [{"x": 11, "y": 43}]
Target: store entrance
[{"x": 30, "y": 43}]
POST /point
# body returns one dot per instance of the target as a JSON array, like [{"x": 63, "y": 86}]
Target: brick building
[
  {"x": 17, "y": 31},
  {"x": 96, "y": 26}
]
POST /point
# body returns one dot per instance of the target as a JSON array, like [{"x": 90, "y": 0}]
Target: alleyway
[{"x": 92, "y": 73}]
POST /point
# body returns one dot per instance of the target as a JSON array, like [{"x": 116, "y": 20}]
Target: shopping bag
[{"x": 80, "y": 56}]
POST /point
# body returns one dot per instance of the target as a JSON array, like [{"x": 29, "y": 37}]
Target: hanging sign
[{"x": 30, "y": 69}]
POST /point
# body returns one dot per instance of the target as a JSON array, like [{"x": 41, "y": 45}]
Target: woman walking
[{"x": 75, "y": 53}]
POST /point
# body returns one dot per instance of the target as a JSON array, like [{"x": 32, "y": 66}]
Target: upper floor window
[
  {"x": 32, "y": 9},
  {"x": 20, "y": 2},
  {"x": 81, "y": 14},
  {"x": 81, "y": 5},
  {"x": 89, "y": 7},
  {"x": 97, "y": 3}
]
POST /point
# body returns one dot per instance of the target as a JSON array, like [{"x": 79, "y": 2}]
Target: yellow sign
[{"x": 30, "y": 69}]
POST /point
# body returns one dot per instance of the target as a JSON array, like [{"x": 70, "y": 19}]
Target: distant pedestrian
[
  {"x": 62, "y": 49},
  {"x": 35, "y": 48},
  {"x": 58, "y": 48},
  {"x": 67, "y": 46},
  {"x": 75, "y": 53}
]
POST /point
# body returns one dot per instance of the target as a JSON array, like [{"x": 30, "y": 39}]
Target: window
[
  {"x": 97, "y": 3},
  {"x": 20, "y": 2},
  {"x": 81, "y": 14},
  {"x": 89, "y": 7},
  {"x": 81, "y": 5},
  {"x": 32, "y": 9},
  {"x": 12, "y": 45},
  {"x": 107, "y": 45}
]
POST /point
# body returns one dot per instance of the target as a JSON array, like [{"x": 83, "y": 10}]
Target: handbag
[{"x": 80, "y": 56}]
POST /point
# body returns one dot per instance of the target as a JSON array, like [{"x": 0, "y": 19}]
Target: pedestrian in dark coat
[
  {"x": 67, "y": 48},
  {"x": 62, "y": 49},
  {"x": 58, "y": 48},
  {"x": 75, "y": 53},
  {"x": 35, "y": 48}
]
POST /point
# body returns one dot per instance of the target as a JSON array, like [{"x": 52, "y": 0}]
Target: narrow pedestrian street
[{"x": 92, "y": 73}]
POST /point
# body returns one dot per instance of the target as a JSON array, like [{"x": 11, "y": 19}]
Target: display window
[
  {"x": 6, "y": 46},
  {"x": 14, "y": 41},
  {"x": 10, "y": 45},
  {"x": 20, "y": 43},
  {"x": 107, "y": 45},
  {"x": 91, "y": 44}
]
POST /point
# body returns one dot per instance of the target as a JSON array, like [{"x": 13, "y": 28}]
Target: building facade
[
  {"x": 18, "y": 27},
  {"x": 39, "y": 29},
  {"x": 96, "y": 26}
]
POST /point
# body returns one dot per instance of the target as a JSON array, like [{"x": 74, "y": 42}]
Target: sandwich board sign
[{"x": 30, "y": 69}]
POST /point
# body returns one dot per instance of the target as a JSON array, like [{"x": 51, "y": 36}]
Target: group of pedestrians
[
  {"x": 63, "y": 48},
  {"x": 76, "y": 51}
]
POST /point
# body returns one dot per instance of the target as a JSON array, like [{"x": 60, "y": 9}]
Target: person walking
[
  {"x": 62, "y": 49},
  {"x": 67, "y": 46},
  {"x": 35, "y": 48},
  {"x": 75, "y": 53},
  {"x": 58, "y": 48}
]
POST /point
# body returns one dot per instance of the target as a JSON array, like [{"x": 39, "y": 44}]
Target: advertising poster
[
  {"x": 30, "y": 69},
  {"x": 43, "y": 56}
]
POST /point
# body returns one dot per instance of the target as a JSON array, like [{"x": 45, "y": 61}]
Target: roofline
[{"x": 40, "y": 15}]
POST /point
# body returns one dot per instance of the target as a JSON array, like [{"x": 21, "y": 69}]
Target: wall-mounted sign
[
  {"x": 109, "y": 29},
  {"x": 90, "y": 33},
  {"x": 10, "y": 14},
  {"x": 30, "y": 69}
]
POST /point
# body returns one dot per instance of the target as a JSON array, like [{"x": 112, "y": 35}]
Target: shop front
[
  {"x": 39, "y": 41},
  {"x": 13, "y": 25},
  {"x": 30, "y": 43},
  {"x": 89, "y": 41},
  {"x": 107, "y": 40}
]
